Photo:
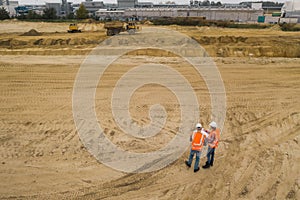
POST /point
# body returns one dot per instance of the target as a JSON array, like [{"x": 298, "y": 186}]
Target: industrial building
[
  {"x": 291, "y": 9},
  {"x": 93, "y": 6},
  {"x": 4, "y": 2},
  {"x": 127, "y": 3},
  {"x": 66, "y": 8},
  {"x": 290, "y": 12},
  {"x": 114, "y": 14},
  {"x": 221, "y": 13},
  {"x": 55, "y": 6},
  {"x": 9, "y": 6},
  {"x": 238, "y": 15},
  {"x": 62, "y": 9}
]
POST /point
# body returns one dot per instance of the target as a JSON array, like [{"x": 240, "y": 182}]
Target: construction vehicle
[
  {"x": 116, "y": 27},
  {"x": 73, "y": 28}
]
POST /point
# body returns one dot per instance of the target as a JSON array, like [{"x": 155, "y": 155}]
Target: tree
[
  {"x": 3, "y": 14},
  {"x": 49, "y": 13},
  {"x": 82, "y": 13},
  {"x": 170, "y": 2},
  {"x": 218, "y": 3},
  {"x": 70, "y": 16},
  {"x": 206, "y": 3},
  {"x": 33, "y": 15}
]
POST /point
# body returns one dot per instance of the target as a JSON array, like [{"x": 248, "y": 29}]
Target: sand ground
[{"x": 42, "y": 156}]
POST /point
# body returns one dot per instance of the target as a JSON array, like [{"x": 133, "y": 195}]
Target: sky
[{"x": 21, "y": 2}]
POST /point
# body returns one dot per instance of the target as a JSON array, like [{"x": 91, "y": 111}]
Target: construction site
[{"x": 43, "y": 157}]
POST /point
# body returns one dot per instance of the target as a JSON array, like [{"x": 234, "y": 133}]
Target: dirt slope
[{"x": 218, "y": 42}]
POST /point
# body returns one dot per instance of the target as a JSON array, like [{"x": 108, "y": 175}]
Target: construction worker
[
  {"x": 197, "y": 138},
  {"x": 212, "y": 141}
]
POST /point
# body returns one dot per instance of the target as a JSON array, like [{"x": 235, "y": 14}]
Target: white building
[
  {"x": 229, "y": 14},
  {"x": 9, "y": 6},
  {"x": 113, "y": 14},
  {"x": 291, "y": 8},
  {"x": 151, "y": 12},
  {"x": 4, "y": 3}
]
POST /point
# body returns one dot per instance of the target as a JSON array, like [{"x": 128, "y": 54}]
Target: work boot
[
  {"x": 187, "y": 163},
  {"x": 195, "y": 170},
  {"x": 211, "y": 164},
  {"x": 206, "y": 166}
]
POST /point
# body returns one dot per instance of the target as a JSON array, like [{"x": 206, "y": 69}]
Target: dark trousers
[
  {"x": 210, "y": 155},
  {"x": 198, "y": 154}
]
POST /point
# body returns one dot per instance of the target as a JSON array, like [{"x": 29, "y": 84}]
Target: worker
[
  {"x": 197, "y": 139},
  {"x": 212, "y": 141}
]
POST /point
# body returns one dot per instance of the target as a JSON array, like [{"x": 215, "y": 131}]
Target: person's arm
[
  {"x": 214, "y": 143},
  {"x": 204, "y": 133},
  {"x": 191, "y": 136}
]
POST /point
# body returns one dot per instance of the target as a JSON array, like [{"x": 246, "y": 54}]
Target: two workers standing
[{"x": 199, "y": 138}]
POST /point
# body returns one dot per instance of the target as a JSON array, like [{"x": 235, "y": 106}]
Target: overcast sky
[{"x": 115, "y": 1}]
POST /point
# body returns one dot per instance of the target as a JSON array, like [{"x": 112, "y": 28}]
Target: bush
[
  {"x": 3, "y": 14},
  {"x": 289, "y": 27},
  {"x": 250, "y": 26},
  {"x": 49, "y": 13},
  {"x": 33, "y": 15},
  {"x": 182, "y": 21},
  {"x": 200, "y": 21}
]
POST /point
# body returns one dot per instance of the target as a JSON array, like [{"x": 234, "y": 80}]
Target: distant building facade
[
  {"x": 113, "y": 14},
  {"x": 228, "y": 14},
  {"x": 238, "y": 15},
  {"x": 9, "y": 6},
  {"x": 93, "y": 6},
  {"x": 55, "y": 6},
  {"x": 291, "y": 9},
  {"x": 4, "y": 2},
  {"x": 127, "y": 3},
  {"x": 66, "y": 8},
  {"x": 290, "y": 12}
]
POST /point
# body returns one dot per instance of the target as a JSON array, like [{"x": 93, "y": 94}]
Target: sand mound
[
  {"x": 148, "y": 22},
  {"x": 32, "y": 32}
]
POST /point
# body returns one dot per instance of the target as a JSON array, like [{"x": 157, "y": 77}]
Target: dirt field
[{"x": 42, "y": 156}]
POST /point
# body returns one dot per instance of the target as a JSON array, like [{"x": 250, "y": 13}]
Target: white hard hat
[
  {"x": 198, "y": 125},
  {"x": 213, "y": 124}
]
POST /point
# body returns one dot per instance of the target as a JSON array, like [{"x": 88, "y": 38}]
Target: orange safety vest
[
  {"x": 217, "y": 138},
  {"x": 198, "y": 141}
]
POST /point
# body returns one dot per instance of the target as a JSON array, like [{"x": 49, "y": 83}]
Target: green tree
[
  {"x": 3, "y": 14},
  {"x": 49, "y": 13},
  {"x": 82, "y": 13},
  {"x": 205, "y": 3},
  {"x": 70, "y": 16},
  {"x": 218, "y": 3},
  {"x": 33, "y": 15}
]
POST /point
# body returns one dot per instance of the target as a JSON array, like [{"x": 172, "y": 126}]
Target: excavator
[{"x": 73, "y": 28}]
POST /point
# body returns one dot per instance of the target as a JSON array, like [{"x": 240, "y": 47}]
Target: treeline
[
  {"x": 48, "y": 14},
  {"x": 207, "y": 3},
  {"x": 264, "y": 3},
  {"x": 200, "y": 21}
]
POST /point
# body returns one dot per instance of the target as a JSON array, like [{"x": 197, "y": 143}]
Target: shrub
[{"x": 289, "y": 27}]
